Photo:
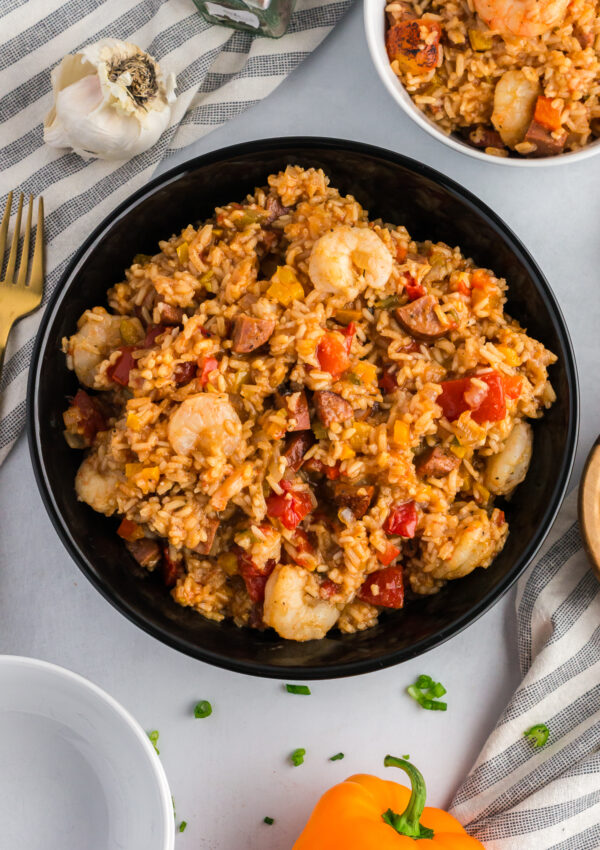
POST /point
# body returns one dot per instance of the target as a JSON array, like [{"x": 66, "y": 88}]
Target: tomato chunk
[
  {"x": 387, "y": 382},
  {"x": 90, "y": 417},
  {"x": 290, "y": 507},
  {"x": 255, "y": 579},
  {"x": 328, "y": 589},
  {"x": 384, "y": 588},
  {"x": 120, "y": 369},
  {"x": 129, "y": 530},
  {"x": 402, "y": 520},
  {"x": 390, "y": 554},
  {"x": 332, "y": 353},
  {"x": 206, "y": 365},
  {"x": 413, "y": 289},
  {"x": 456, "y": 397}
]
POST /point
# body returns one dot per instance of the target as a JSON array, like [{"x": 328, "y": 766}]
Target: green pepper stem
[{"x": 408, "y": 823}]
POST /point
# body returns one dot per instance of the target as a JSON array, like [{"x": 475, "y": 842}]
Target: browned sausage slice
[
  {"x": 357, "y": 497},
  {"x": 420, "y": 319},
  {"x": 435, "y": 462},
  {"x": 169, "y": 315},
  {"x": 211, "y": 529},
  {"x": 250, "y": 333},
  {"x": 145, "y": 551},
  {"x": 296, "y": 406},
  {"x": 331, "y": 407},
  {"x": 296, "y": 448},
  {"x": 546, "y": 144}
]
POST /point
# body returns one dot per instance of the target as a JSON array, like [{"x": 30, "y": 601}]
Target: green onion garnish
[
  {"x": 268, "y": 820},
  {"x": 390, "y": 301},
  {"x": 426, "y": 692},
  {"x": 202, "y": 709},
  {"x": 154, "y": 738},
  {"x": 297, "y": 757},
  {"x": 538, "y": 734},
  {"x": 182, "y": 826},
  {"x": 337, "y": 757},
  {"x": 298, "y": 689}
]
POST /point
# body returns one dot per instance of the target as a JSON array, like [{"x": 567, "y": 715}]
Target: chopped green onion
[
  {"x": 202, "y": 709},
  {"x": 337, "y": 757},
  {"x": 426, "y": 692},
  {"x": 182, "y": 826},
  {"x": 268, "y": 820},
  {"x": 406, "y": 758},
  {"x": 320, "y": 431},
  {"x": 154, "y": 738},
  {"x": 298, "y": 689},
  {"x": 424, "y": 682},
  {"x": 438, "y": 690},
  {"x": 297, "y": 757},
  {"x": 354, "y": 379},
  {"x": 390, "y": 301},
  {"x": 538, "y": 734}
]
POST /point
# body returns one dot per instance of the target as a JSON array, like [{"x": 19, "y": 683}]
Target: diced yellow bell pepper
[
  {"x": 458, "y": 450},
  {"x": 133, "y": 422},
  {"x": 183, "y": 253},
  {"x": 207, "y": 281},
  {"x": 361, "y": 433},
  {"x": 132, "y": 469},
  {"x": 367, "y": 372},
  {"x": 481, "y": 492},
  {"x": 510, "y": 355},
  {"x": 285, "y": 286},
  {"x": 480, "y": 41},
  {"x": 347, "y": 316},
  {"x": 150, "y": 473},
  {"x": 347, "y": 453},
  {"x": 401, "y": 432},
  {"x": 228, "y": 562}
]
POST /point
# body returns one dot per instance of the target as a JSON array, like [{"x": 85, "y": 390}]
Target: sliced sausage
[
  {"x": 185, "y": 372},
  {"x": 357, "y": 497},
  {"x": 331, "y": 407},
  {"x": 211, "y": 529},
  {"x": 296, "y": 406},
  {"x": 276, "y": 209},
  {"x": 435, "y": 462},
  {"x": 145, "y": 551},
  {"x": 296, "y": 448},
  {"x": 169, "y": 315},
  {"x": 484, "y": 137},
  {"x": 420, "y": 319},
  {"x": 250, "y": 333},
  {"x": 546, "y": 144}
]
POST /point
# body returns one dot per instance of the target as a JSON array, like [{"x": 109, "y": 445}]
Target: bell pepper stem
[{"x": 408, "y": 822}]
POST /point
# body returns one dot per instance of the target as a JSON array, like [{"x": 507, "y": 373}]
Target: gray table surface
[{"x": 229, "y": 771}]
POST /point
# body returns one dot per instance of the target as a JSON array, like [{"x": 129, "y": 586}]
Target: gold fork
[{"x": 19, "y": 298}]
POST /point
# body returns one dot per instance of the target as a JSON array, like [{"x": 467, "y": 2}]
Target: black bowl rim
[{"x": 315, "y": 672}]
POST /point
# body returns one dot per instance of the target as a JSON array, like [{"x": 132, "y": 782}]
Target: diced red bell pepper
[
  {"x": 91, "y": 419},
  {"x": 290, "y": 507},
  {"x": 328, "y": 589},
  {"x": 169, "y": 567},
  {"x": 390, "y": 554},
  {"x": 120, "y": 369},
  {"x": 387, "y": 381},
  {"x": 332, "y": 353},
  {"x": 349, "y": 332},
  {"x": 490, "y": 408},
  {"x": 401, "y": 252},
  {"x": 413, "y": 289},
  {"x": 152, "y": 333},
  {"x": 513, "y": 385},
  {"x": 255, "y": 579},
  {"x": 206, "y": 365},
  {"x": 384, "y": 588},
  {"x": 130, "y": 530},
  {"x": 402, "y": 520},
  {"x": 480, "y": 279}
]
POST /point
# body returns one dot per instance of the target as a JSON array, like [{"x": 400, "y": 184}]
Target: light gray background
[{"x": 227, "y": 772}]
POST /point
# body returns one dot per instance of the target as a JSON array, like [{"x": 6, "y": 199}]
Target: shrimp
[
  {"x": 524, "y": 18},
  {"x": 96, "y": 487},
  {"x": 206, "y": 422},
  {"x": 475, "y": 547},
  {"x": 97, "y": 336},
  {"x": 515, "y": 97},
  {"x": 289, "y": 608},
  {"x": 347, "y": 260},
  {"x": 505, "y": 470}
]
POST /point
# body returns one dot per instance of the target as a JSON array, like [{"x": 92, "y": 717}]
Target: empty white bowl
[
  {"x": 374, "y": 16},
  {"x": 76, "y": 770}
]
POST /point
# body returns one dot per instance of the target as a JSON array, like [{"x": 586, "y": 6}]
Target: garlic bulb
[{"x": 110, "y": 101}]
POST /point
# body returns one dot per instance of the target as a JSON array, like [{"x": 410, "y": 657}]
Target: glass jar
[{"x": 267, "y": 17}]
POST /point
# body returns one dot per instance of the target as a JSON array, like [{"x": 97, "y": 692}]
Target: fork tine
[
  {"x": 12, "y": 259},
  {"x": 22, "y": 278},
  {"x": 4, "y": 228},
  {"x": 36, "y": 283}
]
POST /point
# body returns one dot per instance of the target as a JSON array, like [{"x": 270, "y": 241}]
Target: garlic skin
[{"x": 110, "y": 101}]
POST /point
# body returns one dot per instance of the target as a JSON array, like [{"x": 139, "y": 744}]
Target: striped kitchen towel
[
  {"x": 219, "y": 72},
  {"x": 518, "y": 797}
]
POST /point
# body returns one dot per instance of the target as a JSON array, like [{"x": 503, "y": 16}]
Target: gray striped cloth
[
  {"x": 219, "y": 72},
  {"x": 518, "y": 797}
]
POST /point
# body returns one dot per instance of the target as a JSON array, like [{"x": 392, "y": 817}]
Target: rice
[
  {"x": 458, "y": 87},
  {"x": 267, "y": 482}
]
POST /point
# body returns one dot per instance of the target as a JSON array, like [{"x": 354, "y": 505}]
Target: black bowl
[{"x": 398, "y": 190}]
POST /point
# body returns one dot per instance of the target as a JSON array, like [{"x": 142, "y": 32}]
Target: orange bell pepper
[{"x": 362, "y": 814}]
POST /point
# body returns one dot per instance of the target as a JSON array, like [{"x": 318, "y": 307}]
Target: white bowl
[
  {"x": 374, "y": 12},
  {"x": 76, "y": 770}
]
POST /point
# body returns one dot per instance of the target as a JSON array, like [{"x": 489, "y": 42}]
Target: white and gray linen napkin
[
  {"x": 518, "y": 797},
  {"x": 220, "y": 72}
]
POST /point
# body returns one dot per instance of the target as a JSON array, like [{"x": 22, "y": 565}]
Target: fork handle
[{"x": 6, "y": 323}]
